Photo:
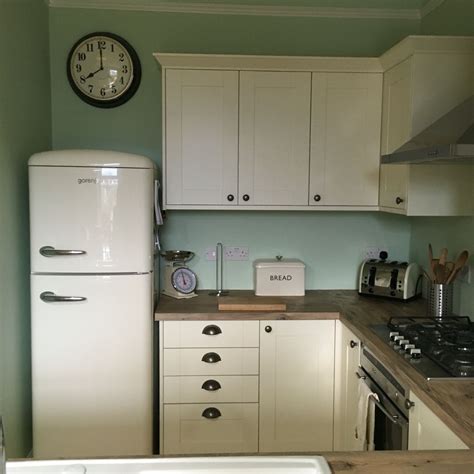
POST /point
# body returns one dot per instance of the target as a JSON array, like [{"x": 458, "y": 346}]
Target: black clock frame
[{"x": 128, "y": 94}]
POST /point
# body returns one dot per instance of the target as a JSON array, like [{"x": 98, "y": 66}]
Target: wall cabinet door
[
  {"x": 274, "y": 138},
  {"x": 393, "y": 187},
  {"x": 345, "y": 139},
  {"x": 427, "y": 431},
  {"x": 201, "y": 116},
  {"x": 296, "y": 386},
  {"x": 347, "y": 358}
]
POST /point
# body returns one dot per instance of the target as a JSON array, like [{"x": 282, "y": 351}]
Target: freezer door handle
[
  {"x": 50, "y": 297},
  {"x": 49, "y": 251}
]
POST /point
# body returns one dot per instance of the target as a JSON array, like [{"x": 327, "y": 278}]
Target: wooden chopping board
[{"x": 256, "y": 303}]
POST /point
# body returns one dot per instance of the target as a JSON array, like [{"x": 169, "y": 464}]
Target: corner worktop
[{"x": 451, "y": 400}]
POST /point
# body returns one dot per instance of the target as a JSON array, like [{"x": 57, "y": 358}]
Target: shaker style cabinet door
[
  {"x": 296, "y": 386},
  {"x": 274, "y": 138},
  {"x": 347, "y": 357},
  {"x": 345, "y": 139},
  {"x": 201, "y": 137},
  {"x": 427, "y": 431},
  {"x": 394, "y": 180}
]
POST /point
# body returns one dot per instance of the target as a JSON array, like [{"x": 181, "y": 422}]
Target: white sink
[{"x": 209, "y": 465}]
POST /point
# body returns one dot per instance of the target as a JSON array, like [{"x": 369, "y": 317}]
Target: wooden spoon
[
  {"x": 460, "y": 262},
  {"x": 430, "y": 261},
  {"x": 443, "y": 256}
]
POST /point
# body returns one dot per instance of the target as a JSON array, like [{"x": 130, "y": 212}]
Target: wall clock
[{"x": 103, "y": 69}]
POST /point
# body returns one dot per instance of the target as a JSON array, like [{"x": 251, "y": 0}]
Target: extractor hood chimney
[{"x": 449, "y": 140}]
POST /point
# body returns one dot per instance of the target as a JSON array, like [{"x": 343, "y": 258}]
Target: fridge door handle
[
  {"x": 49, "y": 251},
  {"x": 50, "y": 297}
]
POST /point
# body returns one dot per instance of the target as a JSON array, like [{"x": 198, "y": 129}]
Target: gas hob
[{"x": 439, "y": 349}]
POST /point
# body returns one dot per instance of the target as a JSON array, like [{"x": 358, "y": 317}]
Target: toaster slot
[
  {"x": 372, "y": 272},
  {"x": 393, "y": 279}
]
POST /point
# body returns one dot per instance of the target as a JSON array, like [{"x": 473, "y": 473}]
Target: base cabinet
[
  {"x": 427, "y": 431},
  {"x": 347, "y": 359},
  {"x": 246, "y": 386},
  {"x": 296, "y": 385}
]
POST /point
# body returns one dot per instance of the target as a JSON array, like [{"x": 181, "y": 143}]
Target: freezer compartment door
[
  {"x": 91, "y": 220},
  {"x": 92, "y": 366}
]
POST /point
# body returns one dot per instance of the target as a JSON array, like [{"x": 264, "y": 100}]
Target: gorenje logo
[{"x": 87, "y": 181}]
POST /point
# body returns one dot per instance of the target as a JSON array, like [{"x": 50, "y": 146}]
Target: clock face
[{"x": 103, "y": 70}]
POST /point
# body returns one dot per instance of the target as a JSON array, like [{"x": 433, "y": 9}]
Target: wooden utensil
[
  {"x": 443, "y": 256},
  {"x": 441, "y": 274},
  {"x": 460, "y": 262},
  {"x": 430, "y": 261}
]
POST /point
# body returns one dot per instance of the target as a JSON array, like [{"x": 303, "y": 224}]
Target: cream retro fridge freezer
[{"x": 91, "y": 226}]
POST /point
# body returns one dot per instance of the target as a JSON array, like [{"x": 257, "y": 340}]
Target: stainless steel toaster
[{"x": 398, "y": 280}]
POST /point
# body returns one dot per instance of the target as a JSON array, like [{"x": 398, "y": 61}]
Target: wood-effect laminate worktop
[{"x": 451, "y": 400}]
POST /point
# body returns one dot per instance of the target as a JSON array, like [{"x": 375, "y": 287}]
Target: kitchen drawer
[
  {"x": 187, "y": 431},
  {"x": 220, "y": 334},
  {"x": 233, "y": 361},
  {"x": 219, "y": 389}
]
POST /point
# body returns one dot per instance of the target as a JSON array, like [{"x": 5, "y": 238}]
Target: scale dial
[{"x": 184, "y": 280}]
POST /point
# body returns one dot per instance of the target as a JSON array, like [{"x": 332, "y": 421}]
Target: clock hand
[
  {"x": 92, "y": 74},
  {"x": 101, "y": 61}
]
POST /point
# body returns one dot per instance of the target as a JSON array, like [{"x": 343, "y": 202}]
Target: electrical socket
[
  {"x": 211, "y": 254},
  {"x": 236, "y": 253},
  {"x": 374, "y": 252}
]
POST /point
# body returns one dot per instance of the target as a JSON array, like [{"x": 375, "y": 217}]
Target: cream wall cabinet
[
  {"x": 274, "y": 119},
  {"x": 427, "y": 190},
  {"x": 237, "y": 132},
  {"x": 296, "y": 386},
  {"x": 345, "y": 139},
  {"x": 425, "y": 78},
  {"x": 347, "y": 360},
  {"x": 427, "y": 431},
  {"x": 201, "y": 137}
]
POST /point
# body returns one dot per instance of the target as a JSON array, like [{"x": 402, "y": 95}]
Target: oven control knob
[
  {"x": 393, "y": 334},
  {"x": 397, "y": 339},
  {"x": 409, "y": 347},
  {"x": 404, "y": 344},
  {"x": 415, "y": 353},
  {"x": 400, "y": 343}
]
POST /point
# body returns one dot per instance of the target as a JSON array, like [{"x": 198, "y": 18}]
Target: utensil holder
[{"x": 440, "y": 300}]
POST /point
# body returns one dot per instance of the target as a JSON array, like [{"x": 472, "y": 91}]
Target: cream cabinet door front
[
  {"x": 427, "y": 431},
  {"x": 394, "y": 181},
  {"x": 274, "y": 138},
  {"x": 296, "y": 386},
  {"x": 345, "y": 139},
  {"x": 347, "y": 359},
  {"x": 201, "y": 142}
]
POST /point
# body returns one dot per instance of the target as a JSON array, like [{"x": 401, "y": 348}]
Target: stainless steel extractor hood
[{"x": 449, "y": 140}]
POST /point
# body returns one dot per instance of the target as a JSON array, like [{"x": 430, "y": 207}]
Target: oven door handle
[{"x": 393, "y": 418}]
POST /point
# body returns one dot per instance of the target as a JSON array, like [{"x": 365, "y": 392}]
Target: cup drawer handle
[
  {"x": 211, "y": 358},
  {"x": 211, "y": 413},
  {"x": 211, "y": 385},
  {"x": 212, "y": 330}
]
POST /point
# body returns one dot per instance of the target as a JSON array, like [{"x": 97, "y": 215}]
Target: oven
[{"x": 391, "y": 407}]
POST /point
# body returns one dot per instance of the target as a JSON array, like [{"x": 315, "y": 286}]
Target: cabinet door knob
[
  {"x": 230, "y": 197},
  {"x": 245, "y": 197},
  {"x": 317, "y": 197},
  {"x": 212, "y": 330},
  {"x": 211, "y": 413},
  {"x": 268, "y": 329},
  {"x": 353, "y": 344},
  {"x": 211, "y": 385},
  {"x": 211, "y": 358},
  {"x": 399, "y": 200}
]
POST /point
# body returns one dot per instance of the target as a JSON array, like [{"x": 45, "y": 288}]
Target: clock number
[
  {"x": 90, "y": 47},
  {"x": 102, "y": 91},
  {"x": 78, "y": 68},
  {"x": 112, "y": 49},
  {"x": 121, "y": 57},
  {"x": 125, "y": 69},
  {"x": 81, "y": 56},
  {"x": 82, "y": 79},
  {"x": 114, "y": 90},
  {"x": 121, "y": 80},
  {"x": 91, "y": 88},
  {"x": 101, "y": 44}
]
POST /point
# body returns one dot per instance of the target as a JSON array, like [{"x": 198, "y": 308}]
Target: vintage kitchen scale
[{"x": 179, "y": 280}]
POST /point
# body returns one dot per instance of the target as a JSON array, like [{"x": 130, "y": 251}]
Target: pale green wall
[
  {"x": 330, "y": 243},
  {"x": 453, "y": 17},
  {"x": 25, "y": 127}
]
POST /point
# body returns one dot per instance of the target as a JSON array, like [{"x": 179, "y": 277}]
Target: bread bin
[{"x": 279, "y": 277}]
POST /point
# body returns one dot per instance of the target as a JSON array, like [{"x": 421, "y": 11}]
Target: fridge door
[
  {"x": 91, "y": 220},
  {"x": 92, "y": 365}
]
